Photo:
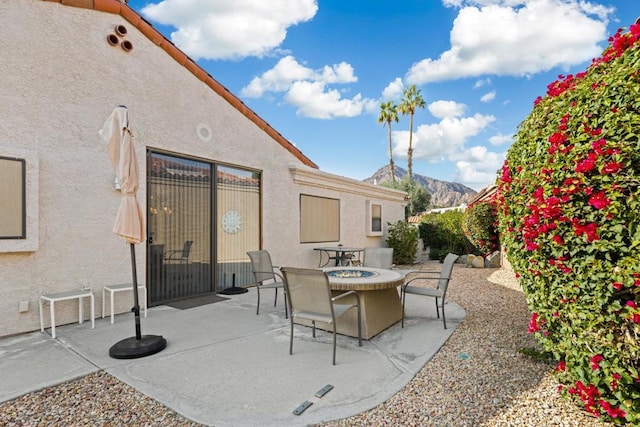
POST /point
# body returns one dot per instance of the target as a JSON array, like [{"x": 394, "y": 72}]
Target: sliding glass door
[
  {"x": 186, "y": 255},
  {"x": 179, "y": 227},
  {"x": 238, "y": 231}
]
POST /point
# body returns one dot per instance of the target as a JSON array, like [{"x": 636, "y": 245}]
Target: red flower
[
  {"x": 611, "y": 167},
  {"x": 598, "y": 146},
  {"x": 632, "y": 304},
  {"x": 613, "y": 412},
  {"x": 589, "y": 229},
  {"x": 617, "y": 285},
  {"x": 506, "y": 174},
  {"x": 599, "y": 200},
  {"x": 558, "y": 239},
  {"x": 587, "y": 164},
  {"x": 534, "y": 324},
  {"x": 562, "y": 366},
  {"x": 595, "y": 361}
]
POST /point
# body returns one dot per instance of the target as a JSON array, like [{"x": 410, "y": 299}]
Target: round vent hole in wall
[
  {"x": 113, "y": 40},
  {"x": 121, "y": 30},
  {"x": 204, "y": 132}
]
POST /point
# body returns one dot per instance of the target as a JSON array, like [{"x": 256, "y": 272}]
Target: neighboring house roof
[
  {"x": 484, "y": 194},
  {"x": 119, "y": 8}
]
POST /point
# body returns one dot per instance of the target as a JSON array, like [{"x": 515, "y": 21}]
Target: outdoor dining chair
[
  {"x": 180, "y": 255},
  {"x": 439, "y": 292},
  {"x": 378, "y": 258},
  {"x": 309, "y": 298},
  {"x": 266, "y": 277}
]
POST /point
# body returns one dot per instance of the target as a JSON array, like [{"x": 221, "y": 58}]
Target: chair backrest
[
  {"x": 378, "y": 258},
  {"x": 308, "y": 290},
  {"x": 261, "y": 265},
  {"x": 186, "y": 249},
  {"x": 445, "y": 273}
]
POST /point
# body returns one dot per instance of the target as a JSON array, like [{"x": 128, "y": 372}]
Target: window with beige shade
[
  {"x": 374, "y": 218},
  {"x": 319, "y": 219},
  {"x": 12, "y": 198}
]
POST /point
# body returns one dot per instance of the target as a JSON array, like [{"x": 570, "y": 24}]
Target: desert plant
[
  {"x": 569, "y": 198},
  {"x": 403, "y": 238}
]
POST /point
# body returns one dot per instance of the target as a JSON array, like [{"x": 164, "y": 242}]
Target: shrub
[
  {"x": 442, "y": 233},
  {"x": 480, "y": 226},
  {"x": 569, "y": 204},
  {"x": 419, "y": 197},
  {"x": 403, "y": 238}
]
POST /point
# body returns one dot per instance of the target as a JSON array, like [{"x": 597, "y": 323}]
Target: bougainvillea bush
[
  {"x": 480, "y": 225},
  {"x": 569, "y": 209}
]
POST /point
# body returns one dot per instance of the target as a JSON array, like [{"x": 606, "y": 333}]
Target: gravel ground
[{"x": 478, "y": 378}]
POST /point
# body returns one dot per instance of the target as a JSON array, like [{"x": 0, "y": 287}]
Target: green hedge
[
  {"x": 403, "y": 238},
  {"x": 442, "y": 233},
  {"x": 569, "y": 207},
  {"x": 480, "y": 226}
]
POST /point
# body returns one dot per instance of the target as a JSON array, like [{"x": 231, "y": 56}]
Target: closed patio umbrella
[{"x": 129, "y": 224}]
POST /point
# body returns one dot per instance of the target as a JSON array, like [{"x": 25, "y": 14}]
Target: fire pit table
[{"x": 379, "y": 298}]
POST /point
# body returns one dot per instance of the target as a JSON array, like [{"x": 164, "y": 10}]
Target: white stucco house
[{"x": 214, "y": 176}]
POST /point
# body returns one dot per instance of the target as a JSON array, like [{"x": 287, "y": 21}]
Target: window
[
  {"x": 319, "y": 219},
  {"x": 374, "y": 219},
  {"x": 12, "y": 198}
]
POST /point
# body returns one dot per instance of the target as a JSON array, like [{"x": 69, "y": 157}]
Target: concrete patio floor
[{"x": 225, "y": 366}]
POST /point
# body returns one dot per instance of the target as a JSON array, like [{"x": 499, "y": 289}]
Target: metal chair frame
[
  {"x": 439, "y": 292},
  {"x": 309, "y": 298}
]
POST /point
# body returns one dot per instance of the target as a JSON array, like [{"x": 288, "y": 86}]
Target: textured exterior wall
[{"x": 60, "y": 81}]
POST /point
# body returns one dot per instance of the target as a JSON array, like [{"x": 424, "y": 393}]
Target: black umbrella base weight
[
  {"x": 233, "y": 289},
  {"x": 133, "y": 348}
]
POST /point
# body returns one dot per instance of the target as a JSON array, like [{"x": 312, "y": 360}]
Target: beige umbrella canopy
[
  {"x": 115, "y": 132},
  {"x": 129, "y": 223}
]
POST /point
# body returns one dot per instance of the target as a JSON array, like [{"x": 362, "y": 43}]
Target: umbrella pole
[
  {"x": 140, "y": 345},
  {"x": 136, "y": 303}
]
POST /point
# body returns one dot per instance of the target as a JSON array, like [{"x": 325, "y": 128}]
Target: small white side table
[
  {"x": 112, "y": 289},
  {"x": 79, "y": 294}
]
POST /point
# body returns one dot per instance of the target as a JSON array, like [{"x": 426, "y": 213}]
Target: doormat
[{"x": 195, "y": 301}]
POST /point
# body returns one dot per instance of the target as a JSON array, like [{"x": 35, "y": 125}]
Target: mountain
[{"x": 443, "y": 194}]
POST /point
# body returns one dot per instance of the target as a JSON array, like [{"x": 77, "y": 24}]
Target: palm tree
[
  {"x": 411, "y": 99},
  {"x": 388, "y": 114}
]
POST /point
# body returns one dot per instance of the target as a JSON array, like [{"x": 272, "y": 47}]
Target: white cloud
[
  {"x": 278, "y": 79},
  {"x": 393, "y": 91},
  {"x": 489, "y": 96},
  {"x": 500, "y": 139},
  {"x": 516, "y": 38},
  {"x": 477, "y": 167},
  {"x": 288, "y": 71},
  {"x": 438, "y": 141},
  {"x": 442, "y": 109},
  {"x": 481, "y": 83},
  {"x": 223, "y": 29},
  {"x": 308, "y": 90},
  {"x": 314, "y": 100}
]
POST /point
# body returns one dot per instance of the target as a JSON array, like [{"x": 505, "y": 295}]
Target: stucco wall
[{"x": 60, "y": 81}]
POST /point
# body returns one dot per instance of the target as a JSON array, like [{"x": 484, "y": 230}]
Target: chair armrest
[
  {"x": 405, "y": 284},
  {"x": 272, "y": 272},
  {"x": 344, "y": 294}
]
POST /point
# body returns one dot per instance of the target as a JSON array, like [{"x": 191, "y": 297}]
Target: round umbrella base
[
  {"x": 132, "y": 348},
  {"x": 234, "y": 290}
]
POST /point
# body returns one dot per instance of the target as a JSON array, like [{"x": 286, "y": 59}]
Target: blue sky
[{"x": 317, "y": 70}]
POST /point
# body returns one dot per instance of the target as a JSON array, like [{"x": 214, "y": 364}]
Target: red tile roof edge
[{"x": 122, "y": 9}]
